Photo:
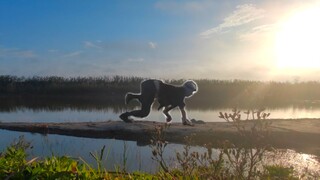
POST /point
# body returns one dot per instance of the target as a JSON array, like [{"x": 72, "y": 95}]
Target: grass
[{"x": 15, "y": 164}]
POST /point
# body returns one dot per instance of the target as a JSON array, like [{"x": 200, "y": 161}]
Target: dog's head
[{"x": 190, "y": 87}]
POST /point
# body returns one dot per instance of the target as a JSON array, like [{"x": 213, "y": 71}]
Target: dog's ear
[{"x": 160, "y": 106}]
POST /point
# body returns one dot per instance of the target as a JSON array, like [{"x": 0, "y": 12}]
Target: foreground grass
[{"x": 15, "y": 164}]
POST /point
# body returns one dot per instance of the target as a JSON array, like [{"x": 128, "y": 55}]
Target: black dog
[{"x": 168, "y": 96}]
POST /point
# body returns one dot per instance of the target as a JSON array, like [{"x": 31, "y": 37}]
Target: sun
[{"x": 298, "y": 40}]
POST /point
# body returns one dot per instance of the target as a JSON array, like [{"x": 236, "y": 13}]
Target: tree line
[{"x": 211, "y": 92}]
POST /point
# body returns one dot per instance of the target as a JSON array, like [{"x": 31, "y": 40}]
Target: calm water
[
  {"x": 82, "y": 115},
  {"x": 138, "y": 158}
]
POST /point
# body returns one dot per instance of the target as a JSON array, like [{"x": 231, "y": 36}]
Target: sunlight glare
[{"x": 298, "y": 40}]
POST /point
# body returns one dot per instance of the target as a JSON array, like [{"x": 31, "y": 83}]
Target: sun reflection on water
[{"x": 302, "y": 163}]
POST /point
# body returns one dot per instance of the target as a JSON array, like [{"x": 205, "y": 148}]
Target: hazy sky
[{"x": 259, "y": 40}]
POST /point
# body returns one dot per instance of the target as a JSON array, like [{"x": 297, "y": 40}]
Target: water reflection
[
  {"x": 58, "y": 109},
  {"x": 301, "y": 162},
  {"x": 66, "y": 114},
  {"x": 57, "y": 103}
]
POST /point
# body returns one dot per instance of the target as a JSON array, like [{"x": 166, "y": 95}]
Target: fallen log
[{"x": 300, "y": 134}]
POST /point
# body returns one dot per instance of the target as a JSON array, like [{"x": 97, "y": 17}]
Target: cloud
[
  {"x": 88, "y": 44},
  {"x": 152, "y": 45},
  {"x": 73, "y": 54},
  {"x": 257, "y": 32},
  {"x": 53, "y": 50},
  {"x": 186, "y": 6},
  {"x": 135, "y": 60},
  {"x": 17, "y": 53},
  {"x": 119, "y": 47},
  {"x": 243, "y": 14}
]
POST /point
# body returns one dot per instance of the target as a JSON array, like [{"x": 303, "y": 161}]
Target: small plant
[
  {"x": 13, "y": 159},
  {"x": 242, "y": 160},
  {"x": 158, "y": 145},
  {"x": 191, "y": 164},
  {"x": 201, "y": 165},
  {"x": 98, "y": 157},
  {"x": 246, "y": 157},
  {"x": 21, "y": 143},
  {"x": 187, "y": 159},
  {"x": 124, "y": 157},
  {"x": 53, "y": 168},
  {"x": 279, "y": 172}
]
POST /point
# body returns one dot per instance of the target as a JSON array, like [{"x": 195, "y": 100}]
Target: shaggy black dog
[{"x": 168, "y": 96}]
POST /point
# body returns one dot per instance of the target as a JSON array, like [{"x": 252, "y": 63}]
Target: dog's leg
[
  {"x": 185, "y": 120},
  {"x": 166, "y": 113}
]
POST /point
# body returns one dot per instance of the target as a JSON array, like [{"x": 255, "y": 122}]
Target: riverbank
[{"x": 300, "y": 134}]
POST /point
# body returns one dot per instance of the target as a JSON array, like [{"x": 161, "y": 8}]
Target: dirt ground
[{"x": 302, "y": 135}]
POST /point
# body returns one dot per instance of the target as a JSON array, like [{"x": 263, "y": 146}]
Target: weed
[
  {"x": 98, "y": 158},
  {"x": 278, "y": 172},
  {"x": 158, "y": 145},
  {"x": 124, "y": 157},
  {"x": 203, "y": 165},
  {"x": 245, "y": 157}
]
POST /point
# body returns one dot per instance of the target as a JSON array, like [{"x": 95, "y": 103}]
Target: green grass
[{"x": 14, "y": 165}]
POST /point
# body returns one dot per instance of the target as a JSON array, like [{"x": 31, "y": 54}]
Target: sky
[{"x": 212, "y": 39}]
